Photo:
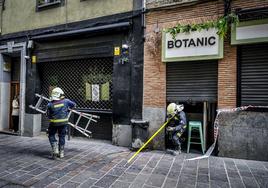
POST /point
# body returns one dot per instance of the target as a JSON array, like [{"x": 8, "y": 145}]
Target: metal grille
[
  {"x": 192, "y": 81},
  {"x": 87, "y": 81},
  {"x": 254, "y": 74}
]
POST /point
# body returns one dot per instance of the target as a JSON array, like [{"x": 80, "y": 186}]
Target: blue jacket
[{"x": 58, "y": 111}]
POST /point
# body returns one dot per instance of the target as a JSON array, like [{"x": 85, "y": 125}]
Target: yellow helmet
[
  {"x": 57, "y": 94},
  {"x": 173, "y": 108}
]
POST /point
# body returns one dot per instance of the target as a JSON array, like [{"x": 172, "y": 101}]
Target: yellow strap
[
  {"x": 57, "y": 120},
  {"x": 150, "y": 139},
  {"x": 58, "y": 105}
]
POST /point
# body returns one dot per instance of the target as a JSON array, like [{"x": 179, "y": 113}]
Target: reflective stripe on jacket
[{"x": 58, "y": 111}]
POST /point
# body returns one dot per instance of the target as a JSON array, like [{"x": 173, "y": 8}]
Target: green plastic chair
[{"x": 195, "y": 125}]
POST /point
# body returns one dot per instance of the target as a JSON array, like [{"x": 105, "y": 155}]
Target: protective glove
[{"x": 170, "y": 128}]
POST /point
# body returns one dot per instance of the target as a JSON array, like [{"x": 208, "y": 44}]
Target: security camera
[{"x": 27, "y": 57}]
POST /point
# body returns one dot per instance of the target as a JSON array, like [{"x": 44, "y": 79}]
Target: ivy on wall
[{"x": 222, "y": 24}]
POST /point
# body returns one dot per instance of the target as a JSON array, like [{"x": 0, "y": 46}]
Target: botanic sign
[{"x": 195, "y": 45}]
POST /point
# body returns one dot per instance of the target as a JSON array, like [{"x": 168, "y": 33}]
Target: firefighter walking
[
  {"x": 57, "y": 111},
  {"x": 176, "y": 126}
]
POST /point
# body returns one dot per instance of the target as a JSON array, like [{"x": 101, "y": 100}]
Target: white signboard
[
  {"x": 250, "y": 32},
  {"x": 198, "y": 45},
  {"x": 95, "y": 92}
]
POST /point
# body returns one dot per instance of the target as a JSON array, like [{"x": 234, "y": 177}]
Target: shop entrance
[
  {"x": 88, "y": 82},
  {"x": 194, "y": 84}
]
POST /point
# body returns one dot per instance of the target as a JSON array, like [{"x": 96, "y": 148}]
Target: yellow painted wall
[{"x": 21, "y": 15}]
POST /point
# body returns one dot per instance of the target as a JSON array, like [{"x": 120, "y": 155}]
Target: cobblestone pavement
[{"x": 24, "y": 162}]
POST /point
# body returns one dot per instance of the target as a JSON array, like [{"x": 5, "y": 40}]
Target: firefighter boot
[
  {"x": 177, "y": 150},
  {"x": 55, "y": 150},
  {"x": 61, "y": 154}
]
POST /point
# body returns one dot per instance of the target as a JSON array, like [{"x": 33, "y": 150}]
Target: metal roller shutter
[
  {"x": 195, "y": 81},
  {"x": 76, "y": 78},
  {"x": 254, "y": 74}
]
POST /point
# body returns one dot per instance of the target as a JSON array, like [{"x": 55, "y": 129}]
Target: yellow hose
[{"x": 150, "y": 139}]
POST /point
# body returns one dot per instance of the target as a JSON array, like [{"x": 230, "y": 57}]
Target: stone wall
[{"x": 243, "y": 134}]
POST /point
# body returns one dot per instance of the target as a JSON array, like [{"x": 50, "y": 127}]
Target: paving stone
[
  {"x": 38, "y": 171},
  {"x": 147, "y": 170},
  {"x": 44, "y": 182},
  {"x": 152, "y": 163},
  {"x": 202, "y": 170},
  {"x": 164, "y": 164},
  {"x": 219, "y": 177},
  {"x": 88, "y": 183},
  {"x": 203, "y": 178},
  {"x": 22, "y": 179},
  {"x": 95, "y": 175},
  {"x": 176, "y": 167},
  {"x": 148, "y": 186},
  {"x": 155, "y": 180},
  {"x": 53, "y": 185},
  {"x": 262, "y": 181},
  {"x": 120, "y": 184},
  {"x": 161, "y": 171},
  {"x": 137, "y": 184},
  {"x": 63, "y": 180},
  {"x": 242, "y": 167},
  {"x": 244, "y": 173},
  {"x": 184, "y": 185},
  {"x": 58, "y": 174},
  {"x": 128, "y": 177},
  {"x": 219, "y": 184},
  {"x": 249, "y": 182},
  {"x": 236, "y": 182},
  {"x": 31, "y": 167},
  {"x": 186, "y": 179},
  {"x": 259, "y": 172},
  {"x": 255, "y": 165},
  {"x": 134, "y": 169},
  {"x": 202, "y": 185},
  {"x": 116, "y": 171},
  {"x": 106, "y": 181},
  {"x": 173, "y": 174},
  {"x": 170, "y": 183},
  {"x": 189, "y": 171},
  {"x": 13, "y": 186},
  {"x": 233, "y": 174},
  {"x": 70, "y": 184},
  {"x": 30, "y": 182}
]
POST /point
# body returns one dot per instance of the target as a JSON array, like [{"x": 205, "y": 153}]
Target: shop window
[{"x": 45, "y": 4}]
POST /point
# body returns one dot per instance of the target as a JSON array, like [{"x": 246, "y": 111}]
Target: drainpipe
[
  {"x": 143, "y": 18},
  {"x": 227, "y": 7}
]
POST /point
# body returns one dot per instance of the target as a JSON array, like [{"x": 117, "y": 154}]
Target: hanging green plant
[{"x": 222, "y": 24}]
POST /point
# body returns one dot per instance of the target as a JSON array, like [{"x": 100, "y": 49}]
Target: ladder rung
[{"x": 195, "y": 143}]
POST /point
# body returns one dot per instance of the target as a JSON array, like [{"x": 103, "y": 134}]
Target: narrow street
[{"x": 24, "y": 162}]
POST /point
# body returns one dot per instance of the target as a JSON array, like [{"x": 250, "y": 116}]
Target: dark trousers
[
  {"x": 61, "y": 130},
  {"x": 15, "y": 120},
  {"x": 177, "y": 135}
]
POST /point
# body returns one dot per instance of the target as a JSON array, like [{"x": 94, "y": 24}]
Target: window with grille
[
  {"x": 43, "y": 4},
  {"x": 87, "y": 81}
]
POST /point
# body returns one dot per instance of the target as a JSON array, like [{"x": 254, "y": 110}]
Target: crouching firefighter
[
  {"x": 176, "y": 126},
  {"x": 57, "y": 111}
]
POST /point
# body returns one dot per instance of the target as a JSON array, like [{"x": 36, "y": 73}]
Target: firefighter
[
  {"x": 176, "y": 126},
  {"x": 57, "y": 111}
]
